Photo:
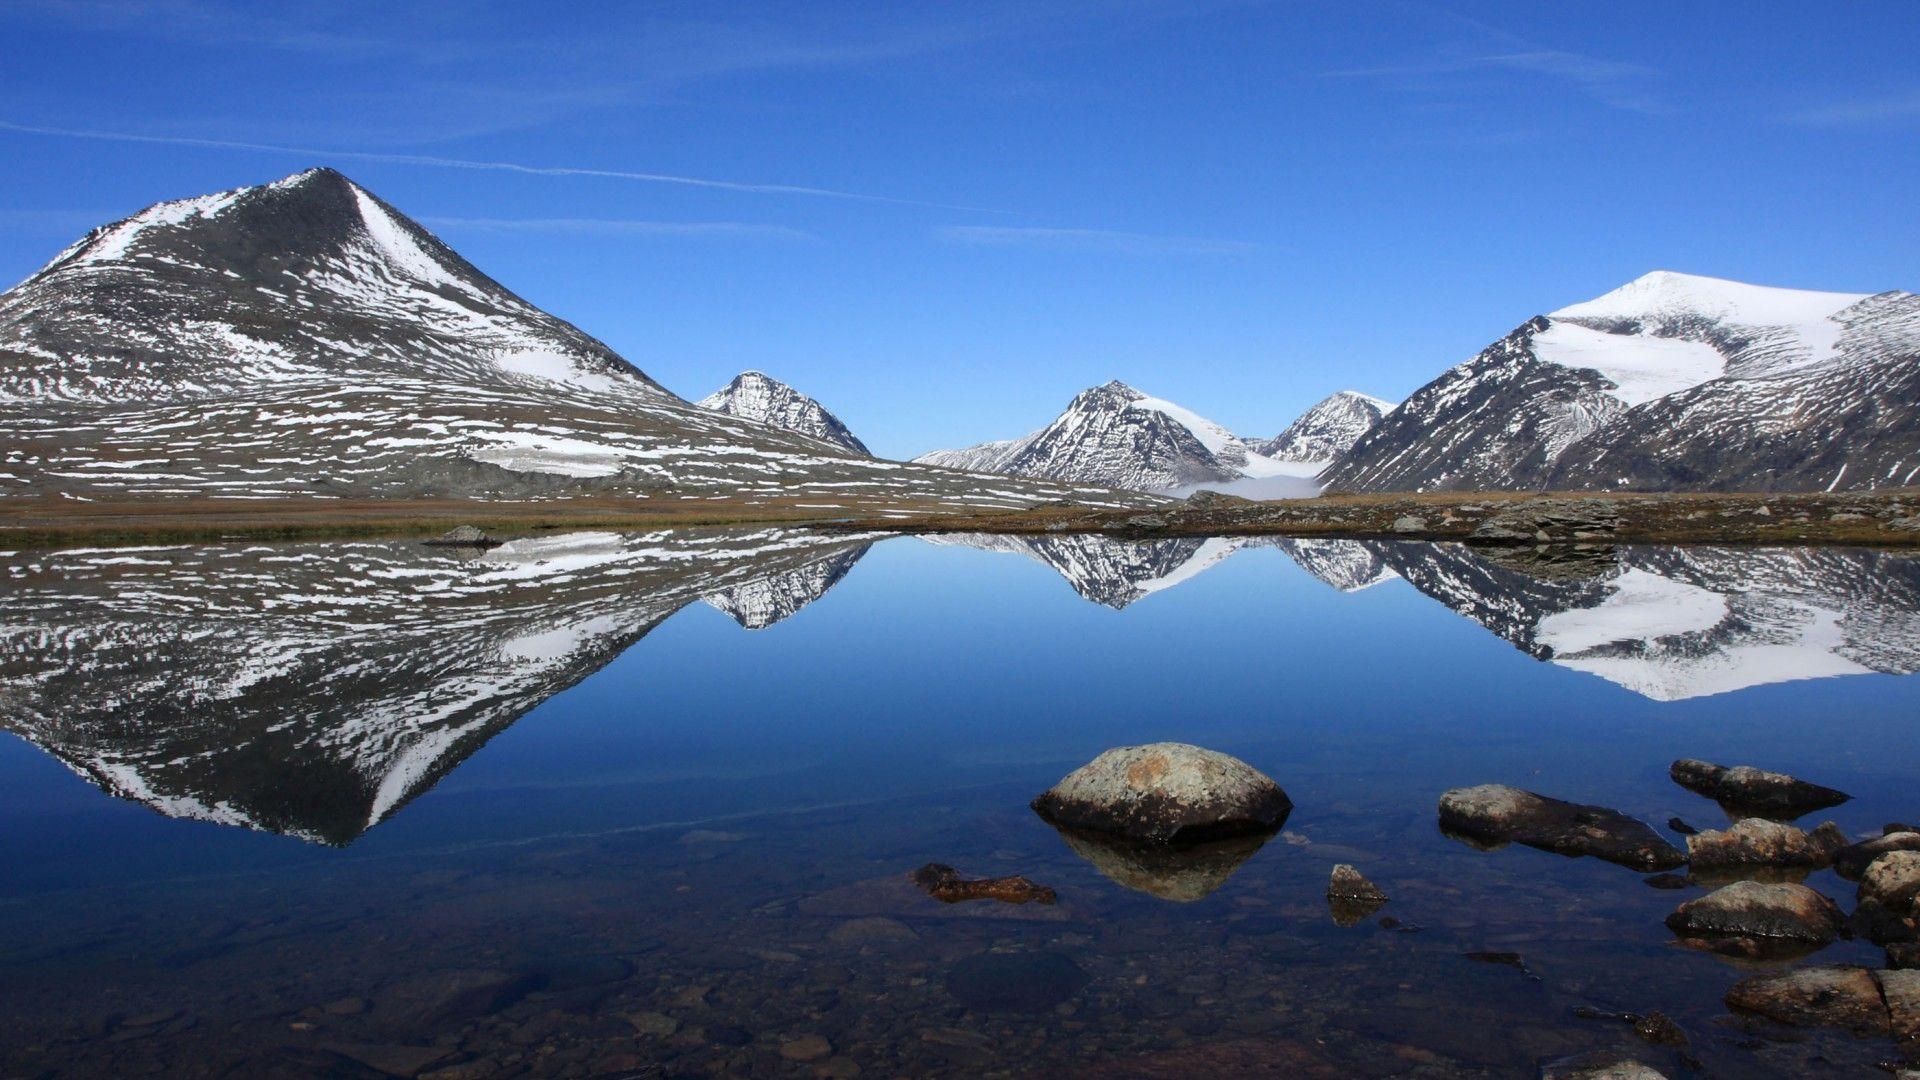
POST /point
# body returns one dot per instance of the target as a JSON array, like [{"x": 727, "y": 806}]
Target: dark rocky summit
[
  {"x": 1166, "y": 792},
  {"x": 1748, "y": 918},
  {"x": 1494, "y": 814},
  {"x": 1751, "y": 792}
]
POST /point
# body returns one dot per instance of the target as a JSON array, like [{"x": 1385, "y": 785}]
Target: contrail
[{"x": 486, "y": 166}]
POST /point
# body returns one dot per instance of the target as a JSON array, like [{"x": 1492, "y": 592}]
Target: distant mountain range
[
  {"x": 1671, "y": 382},
  {"x": 1120, "y": 437},
  {"x": 305, "y": 339}
]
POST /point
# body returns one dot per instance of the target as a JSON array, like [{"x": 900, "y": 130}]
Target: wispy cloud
[
  {"x": 619, "y": 227},
  {"x": 1614, "y": 83},
  {"x": 1869, "y": 112},
  {"x": 427, "y": 161},
  {"x": 1107, "y": 241}
]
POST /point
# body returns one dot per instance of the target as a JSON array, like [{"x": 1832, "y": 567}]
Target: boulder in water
[
  {"x": 1748, "y": 918},
  {"x": 1494, "y": 814},
  {"x": 1168, "y": 793},
  {"x": 1752, "y": 792}
]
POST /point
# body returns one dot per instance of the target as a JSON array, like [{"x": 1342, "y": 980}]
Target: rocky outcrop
[
  {"x": 1751, "y": 792},
  {"x": 1494, "y": 814},
  {"x": 1839, "y": 997},
  {"x": 466, "y": 536},
  {"x": 1748, "y": 918},
  {"x": 1543, "y": 521},
  {"x": 1852, "y": 861},
  {"x": 1754, "y": 843},
  {"x": 1168, "y": 793}
]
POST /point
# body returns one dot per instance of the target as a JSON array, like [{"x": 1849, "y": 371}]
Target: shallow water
[{"x": 544, "y": 811}]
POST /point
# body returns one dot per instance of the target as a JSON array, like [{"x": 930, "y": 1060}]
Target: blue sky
[{"x": 945, "y": 219}]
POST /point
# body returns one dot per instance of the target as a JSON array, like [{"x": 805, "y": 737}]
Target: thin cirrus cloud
[
  {"x": 428, "y": 161},
  {"x": 1613, "y": 83},
  {"x": 1104, "y": 241},
  {"x": 1870, "y": 112},
  {"x": 623, "y": 227}
]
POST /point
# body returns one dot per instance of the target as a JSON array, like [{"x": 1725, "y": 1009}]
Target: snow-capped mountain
[
  {"x": 1327, "y": 430},
  {"x": 305, "y": 339},
  {"x": 1119, "y": 437},
  {"x": 1347, "y": 565},
  {"x": 762, "y": 602},
  {"x": 314, "y": 689},
  {"x": 757, "y": 397},
  {"x": 1111, "y": 572},
  {"x": 1671, "y": 381},
  {"x": 1676, "y": 623}
]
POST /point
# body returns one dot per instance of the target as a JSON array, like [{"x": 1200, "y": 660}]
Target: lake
[{"x": 637, "y": 805}]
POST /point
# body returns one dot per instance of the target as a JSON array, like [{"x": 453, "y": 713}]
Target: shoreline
[{"x": 1874, "y": 519}]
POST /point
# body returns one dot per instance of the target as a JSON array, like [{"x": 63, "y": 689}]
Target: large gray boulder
[
  {"x": 1748, "y": 918},
  {"x": 1167, "y": 793},
  {"x": 1751, "y": 792},
  {"x": 1495, "y": 814}
]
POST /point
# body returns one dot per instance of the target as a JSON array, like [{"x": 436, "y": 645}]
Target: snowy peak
[
  {"x": 309, "y": 277},
  {"x": 1115, "y": 435},
  {"x": 1672, "y": 381},
  {"x": 1327, "y": 430},
  {"x": 765, "y": 400}
]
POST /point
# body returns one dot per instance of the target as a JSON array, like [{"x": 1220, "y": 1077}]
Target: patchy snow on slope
[
  {"x": 1641, "y": 607},
  {"x": 1641, "y": 368}
]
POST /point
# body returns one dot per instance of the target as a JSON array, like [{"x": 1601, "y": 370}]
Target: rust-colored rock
[
  {"x": 1754, "y": 843},
  {"x": 1852, "y": 861},
  {"x": 1751, "y": 919},
  {"x": 945, "y": 884},
  {"x": 1842, "y": 997}
]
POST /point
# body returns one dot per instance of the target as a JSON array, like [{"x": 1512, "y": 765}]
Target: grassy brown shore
[
  {"x": 1881, "y": 518},
  {"x": 44, "y": 522},
  {"x": 1885, "y": 518}
]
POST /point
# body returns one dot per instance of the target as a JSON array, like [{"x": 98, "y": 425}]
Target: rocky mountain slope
[
  {"x": 765, "y": 400},
  {"x": 314, "y": 689},
  {"x": 305, "y": 339},
  {"x": 1117, "y": 436},
  {"x": 1671, "y": 381},
  {"x": 1327, "y": 430}
]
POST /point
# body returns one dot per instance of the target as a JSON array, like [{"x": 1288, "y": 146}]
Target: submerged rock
[
  {"x": 1494, "y": 814},
  {"x": 1169, "y": 792},
  {"x": 463, "y": 536},
  {"x": 1351, "y": 897},
  {"x": 1748, "y": 918},
  {"x": 1841, "y": 997},
  {"x": 1754, "y": 842},
  {"x": 1179, "y": 872},
  {"x": 1015, "y": 982},
  {"x": 1901, "y": 989},
  {"x": 1889, "y": 908},
  {"x": 945, "y": 884},
  {"x": 1600, "y": 1065},
  {"x": 1752, "y": 792},
  {"x": 1852, "y": 861}
]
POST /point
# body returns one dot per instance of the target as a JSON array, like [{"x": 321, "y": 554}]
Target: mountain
[
  {"x": 314, "y": 689},
  {"x": 754, "y": 396},
  {"x": 1327, "y": 430},
  {"x": 305, "y": 339},
  {"x": 1671, "y": 381},
  {"x": 760, "y": 603},
  {"x": 1108, "y": 571},
  {"x": 1116, "y": 436}
]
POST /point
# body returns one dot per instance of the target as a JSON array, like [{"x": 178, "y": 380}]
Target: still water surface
[{"x": 644, "y": 805}]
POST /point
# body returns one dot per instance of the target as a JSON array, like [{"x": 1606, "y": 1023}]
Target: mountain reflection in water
[{"x": 313, "y": 689}]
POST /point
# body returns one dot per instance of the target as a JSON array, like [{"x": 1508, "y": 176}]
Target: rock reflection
[{"x": 1181, "y": 873}]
